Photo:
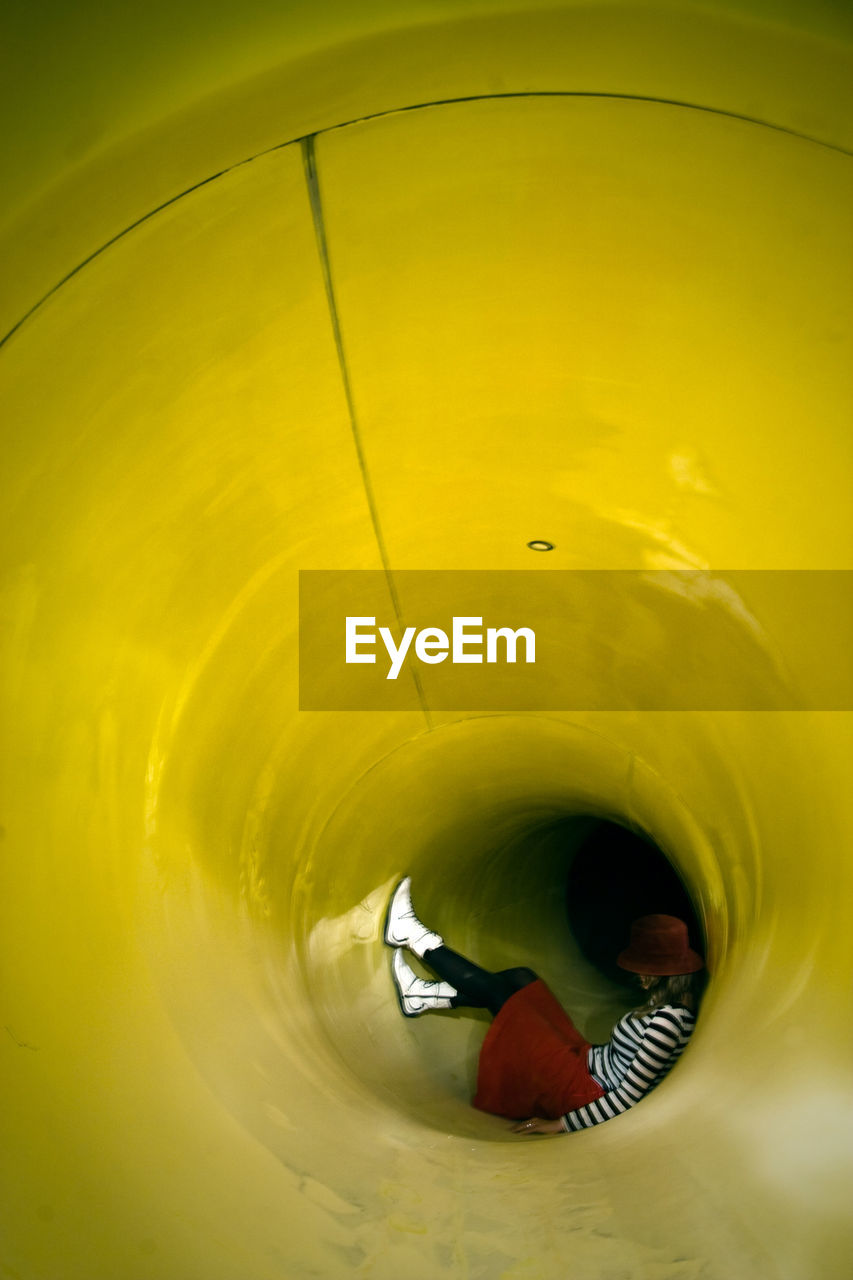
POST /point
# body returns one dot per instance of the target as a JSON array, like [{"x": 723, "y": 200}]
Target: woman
[{"x": 534, "y": 1062}]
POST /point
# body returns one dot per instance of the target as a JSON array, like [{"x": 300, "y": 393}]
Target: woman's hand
[{"x": 536, "y": 1125}]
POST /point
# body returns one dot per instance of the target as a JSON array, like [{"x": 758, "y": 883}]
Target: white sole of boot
[
  {"x": 387, "y": 933},
  {"x": 405, "y": 1002}
]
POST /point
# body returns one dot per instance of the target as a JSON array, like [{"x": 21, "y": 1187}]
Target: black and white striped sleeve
[{"x": 662, "y": 1043}]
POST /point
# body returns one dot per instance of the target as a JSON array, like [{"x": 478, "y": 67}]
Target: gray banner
[{"x": 587, "y": 639}]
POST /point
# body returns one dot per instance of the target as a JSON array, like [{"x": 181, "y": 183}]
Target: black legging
[{"x": 477, "y": 988}]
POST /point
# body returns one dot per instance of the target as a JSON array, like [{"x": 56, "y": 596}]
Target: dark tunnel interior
[{"x": 616, "y": 875}]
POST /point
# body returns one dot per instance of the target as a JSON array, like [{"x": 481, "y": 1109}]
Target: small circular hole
[{"x": 539, "y": 544}]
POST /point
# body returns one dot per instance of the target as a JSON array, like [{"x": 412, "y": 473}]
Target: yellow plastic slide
[{"x": 403, "y": 289}]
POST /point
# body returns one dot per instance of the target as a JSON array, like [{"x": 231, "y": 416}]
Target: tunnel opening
[
  {"x": 555, "y": 893},
  {"x": 522, "y": 853},
  {"x": 616, "y": 875}
]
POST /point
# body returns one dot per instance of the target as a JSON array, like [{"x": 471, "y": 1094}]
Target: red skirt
[{"x": 534, "y": 1060}]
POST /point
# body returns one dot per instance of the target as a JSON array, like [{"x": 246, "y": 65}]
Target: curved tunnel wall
[{"x": 551, "y": 326}]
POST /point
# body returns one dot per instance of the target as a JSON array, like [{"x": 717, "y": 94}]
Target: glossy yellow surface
[{"x": 620, "y": 325}]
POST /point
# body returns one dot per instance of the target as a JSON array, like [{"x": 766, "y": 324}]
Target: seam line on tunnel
[
  {"x": 309, "y": 157},
  {"x": 392, "y": 111}
]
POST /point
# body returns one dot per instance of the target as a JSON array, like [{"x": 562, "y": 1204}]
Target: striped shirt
[{"x": 639, "y": 1053}]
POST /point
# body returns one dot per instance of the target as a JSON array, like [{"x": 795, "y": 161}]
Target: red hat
[{"x": 659, "y": 946}]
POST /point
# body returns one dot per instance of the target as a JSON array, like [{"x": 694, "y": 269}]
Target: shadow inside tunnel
[{"x": 617, "y": 875}]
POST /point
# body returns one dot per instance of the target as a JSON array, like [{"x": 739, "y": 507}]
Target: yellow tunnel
[{"x": 401, "y": 289}]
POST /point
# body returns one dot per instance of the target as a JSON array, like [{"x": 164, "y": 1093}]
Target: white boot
[
  {"x": 415, "y": 994},
  {"x": 402, "y": 926}
]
